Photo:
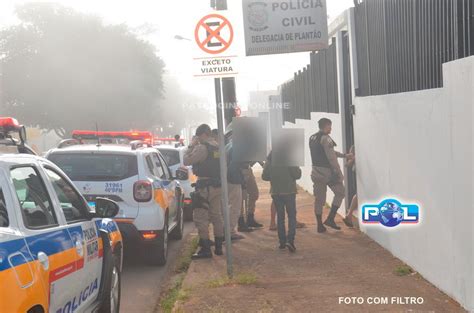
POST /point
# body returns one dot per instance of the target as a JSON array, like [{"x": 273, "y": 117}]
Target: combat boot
[
  {"x": 243, "y": 227},
  {"x": 204, "y": 250},
  {"x": 321, "y": 228},
  {"x": 218, "y": 245},
  {"x": 251, "y": 222},
  {"x": 330, "y": 219}
]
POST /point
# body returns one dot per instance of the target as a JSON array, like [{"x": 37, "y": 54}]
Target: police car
[
  {"x": 135, "y": 176},
  {"x": 56, "y": 254},
  {"x": 174, "y": 155}
]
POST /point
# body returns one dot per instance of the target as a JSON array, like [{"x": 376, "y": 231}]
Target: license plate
[{"x": 91, "y": 204}]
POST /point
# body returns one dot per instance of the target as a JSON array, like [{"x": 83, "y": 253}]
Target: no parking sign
[{"x": 214, "y": 35}]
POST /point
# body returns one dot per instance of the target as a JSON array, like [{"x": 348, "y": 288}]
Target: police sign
[{"x": 284, "y": 26}]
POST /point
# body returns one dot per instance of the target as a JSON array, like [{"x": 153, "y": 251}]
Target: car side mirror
[
  {"x": 106, "y": 208},
  {"x": 182, "y": 174},
  {"x": 22, "y": 134}
]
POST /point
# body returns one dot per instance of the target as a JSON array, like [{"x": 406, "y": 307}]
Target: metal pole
[{"x": 224, "y": 189}]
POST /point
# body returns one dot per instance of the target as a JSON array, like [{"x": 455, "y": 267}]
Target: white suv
[
  {"x": 174, "y": 156},
  {"x": 139, "y": 180}
]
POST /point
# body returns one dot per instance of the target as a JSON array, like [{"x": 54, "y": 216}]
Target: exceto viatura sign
[{"x": 284, "y": 26}]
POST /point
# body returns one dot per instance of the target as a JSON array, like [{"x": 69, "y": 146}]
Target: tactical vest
[
  {"x": 318, "y": 155},
  {"x": 210, "y": 167}
]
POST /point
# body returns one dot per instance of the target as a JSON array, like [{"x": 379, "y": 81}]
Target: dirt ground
[{"x": 324, "y": 268}]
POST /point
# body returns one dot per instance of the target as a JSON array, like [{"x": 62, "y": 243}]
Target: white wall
[
  {"x": 417, "y": 146},
  {"x": 311, "y": 127}
]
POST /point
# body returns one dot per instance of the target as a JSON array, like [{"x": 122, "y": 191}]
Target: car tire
[
  {"x": 177, "y": 232},
  {"x": 158, "y": 253},
  {"x": 111, "y": 303}
]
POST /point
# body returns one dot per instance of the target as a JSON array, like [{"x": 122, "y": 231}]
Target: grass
[
  {"x": 239, "y": 279},
  {"x": 182, "y": 264},
  {"x": 176, "y": 292},
  {"x": 403, "y": 270}
]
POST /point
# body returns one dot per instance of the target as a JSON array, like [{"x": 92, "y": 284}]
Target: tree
[{"x": 62, "y": 70}]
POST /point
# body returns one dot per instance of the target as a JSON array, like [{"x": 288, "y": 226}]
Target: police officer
[
  {"x": 326, "y": 173},
  {"x": 203, "y": 155}
]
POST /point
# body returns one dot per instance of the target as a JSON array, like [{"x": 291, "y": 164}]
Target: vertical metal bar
[
  {"x": 409, "y": 63},
  {"x": 369, "y": 80},
  {"x": 422, "y": 44},
  {"x": 309, "y": 69},
  {"x": 415, "y": 43},
  {"x": 385, "y": 39},
  {"x": 452, "y": 30},
  {"x": 438, "y": 55},
  {"x": 313, "y": 83},
  {"x": 335, "y": 79},
  {"x": 429, "y": 46},
  {"x": 223, "y": 166},
  {"x": 470, "y": 17},
  {"x": 456, "y": 30}
]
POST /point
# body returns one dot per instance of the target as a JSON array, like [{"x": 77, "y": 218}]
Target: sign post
[
  {"x": 224, "y": 187},
  {"x": 213, "y": 36}
]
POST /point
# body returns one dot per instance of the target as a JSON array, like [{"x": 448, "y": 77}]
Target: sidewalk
[{"x": 325, "y": 267}]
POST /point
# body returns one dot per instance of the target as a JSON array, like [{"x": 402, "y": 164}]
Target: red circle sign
[{"x": 208, "y": 34}]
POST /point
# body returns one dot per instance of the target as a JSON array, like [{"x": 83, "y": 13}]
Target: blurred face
[{"x": 204, "y": 137}]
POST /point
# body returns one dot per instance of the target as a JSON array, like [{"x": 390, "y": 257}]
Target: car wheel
[
  {"x": 159, "y": 252},
  {"x": 177, "y": 232},
  {"x": 112, "y": 297}
]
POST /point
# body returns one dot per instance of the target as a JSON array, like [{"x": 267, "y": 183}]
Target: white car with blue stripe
[
  {"x": 56, "y": 254},
  {"x": 139, "y": 180}
]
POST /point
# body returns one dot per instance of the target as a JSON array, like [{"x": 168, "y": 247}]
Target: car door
[
  {"x": 46, "y": 236},
  {"x": 18, "y": 270},
  {"x": 169, "y": 185},
  {"x": 84, "y": 235}
]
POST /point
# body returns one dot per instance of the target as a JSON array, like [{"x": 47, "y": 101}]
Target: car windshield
[
  {"x": 171, "y": 156},
  {"x": 96, "y": 167}
]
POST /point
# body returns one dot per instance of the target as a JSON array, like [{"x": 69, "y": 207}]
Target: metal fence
[
  {"x": 314, "y": 88},
  {"x": 402, "y": 44}
]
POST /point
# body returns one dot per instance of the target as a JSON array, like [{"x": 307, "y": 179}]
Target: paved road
[{"x": 141, "y": 283}]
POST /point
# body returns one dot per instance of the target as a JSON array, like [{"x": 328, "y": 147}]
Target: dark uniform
[
  {"x": 326, "y": 173},
  {"x": 205, "y": 161}
]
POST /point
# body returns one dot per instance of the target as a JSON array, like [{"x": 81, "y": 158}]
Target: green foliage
[
  {"x": 403, "y": 270},
  {"x": 184, "y": 260},
  {"x": 176, "y": 292},
  {"x": 245, "y": 278},
  {"x": 62, "y": 70}
]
